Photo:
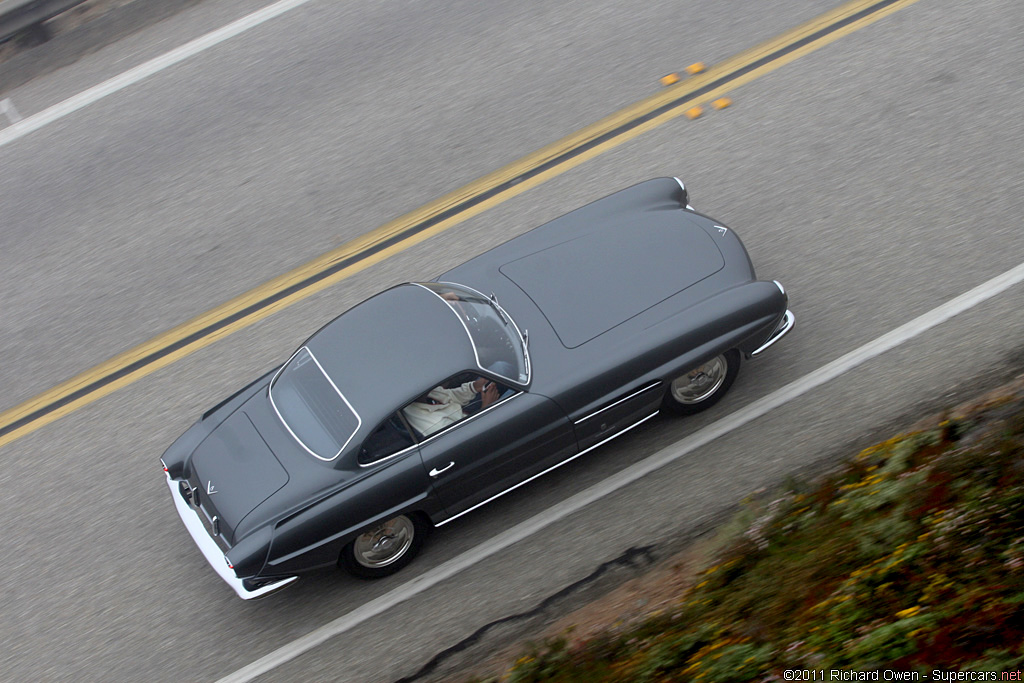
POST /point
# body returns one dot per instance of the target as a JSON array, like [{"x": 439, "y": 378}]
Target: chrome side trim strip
[
  {"x": 788, "y": 320},
  {"x": 212, "y": 552},
  {"x": 553, "y": 467},
  {"x": 650, "y": 386}
]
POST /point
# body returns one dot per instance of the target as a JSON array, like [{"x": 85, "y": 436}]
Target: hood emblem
[{"x": 210, "y": 489}]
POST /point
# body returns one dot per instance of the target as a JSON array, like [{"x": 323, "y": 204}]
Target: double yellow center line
[{"x": 439, "y": 215}]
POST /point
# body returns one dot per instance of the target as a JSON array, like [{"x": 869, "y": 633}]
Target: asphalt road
[{"x": 876, "y": 178}]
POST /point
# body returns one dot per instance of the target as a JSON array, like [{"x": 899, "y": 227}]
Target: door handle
[{"x": 434, "y": 472}]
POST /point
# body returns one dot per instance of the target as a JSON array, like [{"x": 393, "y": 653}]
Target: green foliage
[{"x": 910, "y": 558}]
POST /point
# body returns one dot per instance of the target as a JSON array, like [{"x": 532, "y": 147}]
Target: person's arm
[
  {"x": 427, "y": 419},
  {"x": 464, "y": 394}
]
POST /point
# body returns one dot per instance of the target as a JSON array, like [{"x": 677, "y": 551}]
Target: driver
[{"x": 443, "y": 407}]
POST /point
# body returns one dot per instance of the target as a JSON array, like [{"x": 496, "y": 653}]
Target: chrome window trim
[
  {"x": 438, "y": 433},
  {"x": 476, "y": 355},
  {"x": 648, "y": 387},
  {"x": 469, "y": 418},
  {"x": 465, "y": 329},
  {"x": 270, "y": 394},
  {"x": 407, "y": 449},
  {"x": 553, "y": 467}
]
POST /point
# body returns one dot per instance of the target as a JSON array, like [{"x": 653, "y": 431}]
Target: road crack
[{"x": 635, "y": 560}]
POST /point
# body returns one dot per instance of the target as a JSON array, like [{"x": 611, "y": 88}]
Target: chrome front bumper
[
  {"x": 212, "y": 552},
  {"x": 788, "y": 320}
]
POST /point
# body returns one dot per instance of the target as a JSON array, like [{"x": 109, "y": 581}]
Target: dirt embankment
[{"x": 908, "y": 558}]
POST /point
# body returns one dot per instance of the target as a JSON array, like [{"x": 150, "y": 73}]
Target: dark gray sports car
[{"x": 429, "y": 400}]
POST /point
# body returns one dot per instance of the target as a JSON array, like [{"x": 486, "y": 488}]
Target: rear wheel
[
  {"x": 704, "y": 386},
  {"x": 386, "y": 548}
]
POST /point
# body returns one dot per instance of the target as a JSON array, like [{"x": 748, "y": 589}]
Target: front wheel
[
  {"x": 704, "y": 386},
  {"x": 384, "y": 549}
]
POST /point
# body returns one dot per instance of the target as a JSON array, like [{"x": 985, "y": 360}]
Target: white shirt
[{"x": 427, "y": 418}]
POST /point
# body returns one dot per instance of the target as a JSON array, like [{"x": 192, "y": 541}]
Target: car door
[
  {"x": 617, "y": 412},
  {"x": 486, "y": 454}
]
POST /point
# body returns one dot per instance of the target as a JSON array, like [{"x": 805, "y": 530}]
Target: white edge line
[
  {"x": 144, "y": 70},
  {"x": 631, "y": 474}
]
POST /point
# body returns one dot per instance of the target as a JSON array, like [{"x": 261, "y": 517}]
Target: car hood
[
  {"x": 234, "y": 471},
  {"x": 588, "y": 284}
]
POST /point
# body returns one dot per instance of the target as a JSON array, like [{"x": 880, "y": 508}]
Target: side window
[
  {"x": 453, "y": 401},
  {"x": 389, "y": 438}
]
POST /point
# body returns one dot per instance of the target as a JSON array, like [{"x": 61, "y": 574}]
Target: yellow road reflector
[
  {"x": 670, "y": 79},
  {"x": 695, "y": 68}
]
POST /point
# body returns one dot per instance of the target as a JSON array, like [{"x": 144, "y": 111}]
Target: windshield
[
  {"x": 497, "y": 341},
  {"x": 311, "y": 406}
]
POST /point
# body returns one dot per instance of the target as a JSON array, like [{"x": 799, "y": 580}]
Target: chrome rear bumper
[{"x": 212, "y": 552}]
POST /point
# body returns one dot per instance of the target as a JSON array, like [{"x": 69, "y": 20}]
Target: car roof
[{"x": 391, "y": 348}]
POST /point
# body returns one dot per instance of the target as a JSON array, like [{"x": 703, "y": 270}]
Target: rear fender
[{"x": 315, "y": 536}]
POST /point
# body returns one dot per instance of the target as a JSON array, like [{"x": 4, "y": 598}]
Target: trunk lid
[{"x": 233, "y": 471}]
